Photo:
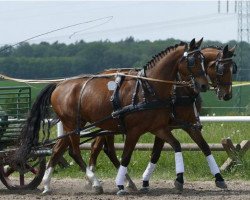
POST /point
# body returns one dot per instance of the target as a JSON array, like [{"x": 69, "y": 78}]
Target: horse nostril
[
  {"x": 227, "y": 97},
  {"x": 204, "y": 88}
]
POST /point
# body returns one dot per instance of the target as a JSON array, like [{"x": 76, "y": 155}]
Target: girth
[
  {"x": 142, "y": 106},
  {"x": 186, "y": 101}
]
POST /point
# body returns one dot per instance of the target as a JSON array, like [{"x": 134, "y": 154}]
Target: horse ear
[
  {"x": 233, "y": 48},
  {"x": 198, "y": 44},
  {"x": 225, "y": 50},
  {"x": 192, "y": 44}
]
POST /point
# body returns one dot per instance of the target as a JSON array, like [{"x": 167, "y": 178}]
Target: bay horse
[
  {"x": 220, "y": 67},
  {"x": 85, "y": 99}
]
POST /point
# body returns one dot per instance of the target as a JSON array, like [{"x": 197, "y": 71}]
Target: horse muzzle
[
  {"x": 201, "y": 87},
  {"x": 223, "y": 96}
]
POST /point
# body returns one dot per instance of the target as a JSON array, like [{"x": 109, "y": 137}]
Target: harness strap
[
  {"x": 142, "y": 106},
  {"x": 137, "y": 85},
  {"x": 115, "y": 99},
  {"x": 145, "y": 84},
  {"x": 185, "y": 101},
  {"x": 78, "y": 116}
]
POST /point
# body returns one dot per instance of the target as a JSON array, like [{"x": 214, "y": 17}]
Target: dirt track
[{"x": 76, "y": 189}]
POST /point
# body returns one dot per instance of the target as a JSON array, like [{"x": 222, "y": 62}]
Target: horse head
[
  {"x": 191, "y": 67},
  {"x": 221, "y": 73}
]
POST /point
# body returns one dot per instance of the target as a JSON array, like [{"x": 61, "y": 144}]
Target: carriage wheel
[{"x": 30, "y": 178}]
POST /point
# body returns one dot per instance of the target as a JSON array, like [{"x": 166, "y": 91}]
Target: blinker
[
  {"x": 234, "y": 68},
  {"x": 191, "y": 61},
  {"x": 220, "y": 69}
]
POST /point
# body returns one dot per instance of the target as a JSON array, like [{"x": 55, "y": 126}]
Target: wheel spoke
[
  {"x": 21, "y": 177},
  {"x": 32, "y": 169}
]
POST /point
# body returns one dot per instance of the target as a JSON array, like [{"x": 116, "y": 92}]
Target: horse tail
[{"x": 29, "y": 136}]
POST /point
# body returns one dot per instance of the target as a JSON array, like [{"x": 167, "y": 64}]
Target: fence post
[{"x": 235, "y": 153}]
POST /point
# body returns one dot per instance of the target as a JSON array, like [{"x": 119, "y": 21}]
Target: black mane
[{"x": 163, "y": 53}]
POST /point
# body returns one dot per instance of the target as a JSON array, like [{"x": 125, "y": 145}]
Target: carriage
[{"x": 15, "y": 103}]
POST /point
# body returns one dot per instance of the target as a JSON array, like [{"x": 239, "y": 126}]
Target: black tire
[{"x": 29, "y": 180}]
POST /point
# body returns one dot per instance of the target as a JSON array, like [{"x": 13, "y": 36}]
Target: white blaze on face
[{"x": 111, "y": 85}]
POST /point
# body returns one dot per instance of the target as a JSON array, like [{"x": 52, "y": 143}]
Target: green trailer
[{"x": 15, "y": 103}]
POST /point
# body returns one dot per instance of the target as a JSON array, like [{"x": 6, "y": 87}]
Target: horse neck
[
  {"x": 210, "y": 55},
  {"x": 165, "y": 68}
]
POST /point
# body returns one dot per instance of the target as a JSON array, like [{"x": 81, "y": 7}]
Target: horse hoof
[
  {"x": 178, "y": 186},
  {"x": 88, "y": 185},
  {"x": 132, "y": 187},
  {"x": 121, "y": 193},
  {"x": 144, "y": 189},
  {"x": 221, "y": 184},
  {"x": 97, "y": 189},
  {"x": 46, "y": 192}
]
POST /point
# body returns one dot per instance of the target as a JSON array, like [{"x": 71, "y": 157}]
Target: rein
[{"x": 179, "y": 83}]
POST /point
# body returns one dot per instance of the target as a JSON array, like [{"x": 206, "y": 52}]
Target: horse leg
[
  {"x": 96, "y": 147},
  {"x": 166, "y": 135},
  {"x": 130, "y": 142},
  {"x": 75, "y": 153},
  {"x": 58, "y": 150},
  {"x": 155, "y": 155},
  {"x": 109, "y": 150},
  {"x": 197, "y": 137}
]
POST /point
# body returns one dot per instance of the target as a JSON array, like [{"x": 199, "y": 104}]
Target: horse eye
[{"x": 191, "y": 61}]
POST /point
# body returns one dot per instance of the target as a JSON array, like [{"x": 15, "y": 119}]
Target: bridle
[
  {"x": 190, "y": 58},
  {"x": 220, "y": 66}
]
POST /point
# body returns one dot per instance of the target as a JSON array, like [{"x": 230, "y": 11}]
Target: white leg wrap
[
  {"x": 59, "y": 129},
  {"x": 120, "y": 178},
  {"x": 148, "y": 172},
  {"x": 92, "y": 168},
  {"x": 47, "y": 179},
  {"x": 212, "y": 165},
  {"x": 179, "y": 164},
  {"x": 92, "y": 178}
]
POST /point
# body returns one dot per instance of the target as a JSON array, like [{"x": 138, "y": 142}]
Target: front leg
[
  {"x": 166, "y": 135},
  {"x": 155, "y": 155},
  {"x": 197, "y": 137},
  {"x": 129, "y": 146}
]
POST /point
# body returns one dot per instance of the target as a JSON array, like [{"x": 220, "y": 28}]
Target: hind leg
[
  {"x": 96, "y": 148},
  {"x": 197, "y": 137},
  {"x": 58, "y": 150},
  {"x": 75, "y": 153}
]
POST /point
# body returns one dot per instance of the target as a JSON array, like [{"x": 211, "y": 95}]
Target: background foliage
[{"x": 47, "y": 60}]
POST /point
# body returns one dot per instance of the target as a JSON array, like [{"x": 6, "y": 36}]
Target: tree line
[{"x": 54, "y": 60}]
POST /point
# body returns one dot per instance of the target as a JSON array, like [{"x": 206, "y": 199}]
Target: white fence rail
[
  {"x": 225, "y": 118},
  {"x": 202, "y": 118}
]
